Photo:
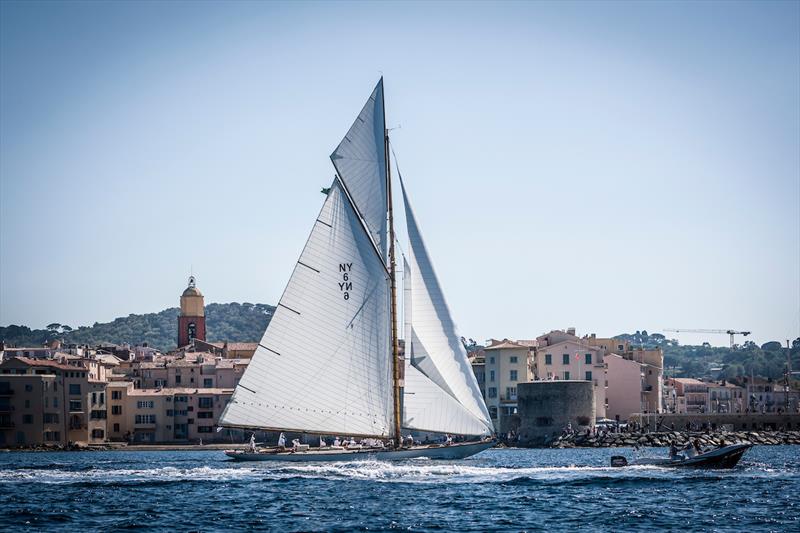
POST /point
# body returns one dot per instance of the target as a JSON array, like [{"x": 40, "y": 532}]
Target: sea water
[{"x": 502, "y": 490}]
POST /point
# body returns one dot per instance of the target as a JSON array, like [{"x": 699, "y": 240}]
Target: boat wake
[
  {"x": 420, "y": 471},
  {"x": 416, "y": 471}
]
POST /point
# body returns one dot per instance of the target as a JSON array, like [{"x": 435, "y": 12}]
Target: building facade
[
  {"x": 507, "y": 364},
  {"x": 192, "y": 318}
]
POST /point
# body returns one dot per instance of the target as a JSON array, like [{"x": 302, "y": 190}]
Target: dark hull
[
  {"x": 725, "y": 457},
  {"x": 454, "y": 451}
]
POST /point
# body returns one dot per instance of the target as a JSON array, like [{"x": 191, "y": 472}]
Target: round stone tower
[
  {"x": 192, "y": 320},
  {"x": 547, "y": 407}
]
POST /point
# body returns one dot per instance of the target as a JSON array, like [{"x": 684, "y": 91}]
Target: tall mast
[{"x": 396, "y": 381}]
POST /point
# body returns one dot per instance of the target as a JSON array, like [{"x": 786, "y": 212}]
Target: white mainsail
[
  {"x": 360, "y": 160},
  {"x": 435, "y": 353},
  {"x": 324, "y": 362}
]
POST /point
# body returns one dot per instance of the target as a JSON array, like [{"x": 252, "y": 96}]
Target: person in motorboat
[
  {"x": 337, "y": 442},
  {"x": 282, "y": 442},
  {"x": 673, "y": 452},
  {"x": 252, "y": 443},
  {"x": 690, "y": 450},
  {"x": 697, "y": 448},
  {"x": 295, "y": 444},
  {"x": 448, "y": 440},
  {"x": 322, "y": 443}
]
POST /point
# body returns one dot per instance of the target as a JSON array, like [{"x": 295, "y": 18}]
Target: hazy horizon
[{"x": 607, "y": 166}]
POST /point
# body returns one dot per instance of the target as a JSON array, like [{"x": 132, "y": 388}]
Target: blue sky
[{"x": 608, "y": 166}]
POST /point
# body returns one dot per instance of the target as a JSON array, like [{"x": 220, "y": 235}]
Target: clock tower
[{"x": 192, "y": 320}]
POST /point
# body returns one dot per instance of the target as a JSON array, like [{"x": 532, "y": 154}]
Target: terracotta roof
[
  {"x": 242, "y": 345},
  {"x": 46, "y": 363},
  {"x": 505, "y": 343},
  {"x": 689, "y": 381},
  {"x": 177, "y": 390}
]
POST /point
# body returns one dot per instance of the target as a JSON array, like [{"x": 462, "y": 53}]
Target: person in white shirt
[{"x": 282, "y": 441}]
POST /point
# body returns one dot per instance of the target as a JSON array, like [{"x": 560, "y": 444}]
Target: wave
[{"x": 414, "y": 471}]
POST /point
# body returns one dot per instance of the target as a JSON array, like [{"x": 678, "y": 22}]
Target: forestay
[
  {"x": 324, "y": 362},
  {"x": 360, "y": 160},
  {"x": 435, "y": 348}
]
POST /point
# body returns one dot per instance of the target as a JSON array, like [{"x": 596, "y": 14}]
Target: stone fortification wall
[
  {"x": 717, "y": 421},
  {"x": 679, "y": 438}
]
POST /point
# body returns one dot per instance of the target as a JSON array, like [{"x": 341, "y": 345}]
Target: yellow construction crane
[{"x": 728, "y": 331}]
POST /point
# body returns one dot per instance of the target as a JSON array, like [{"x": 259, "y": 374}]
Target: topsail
[{"x": 360, "y": 160}]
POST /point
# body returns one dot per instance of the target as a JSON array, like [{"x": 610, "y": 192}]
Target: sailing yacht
[{"x": 329, "y": 362}]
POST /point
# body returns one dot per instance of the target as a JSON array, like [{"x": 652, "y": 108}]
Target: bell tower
[{"x": 192, "y": 320}]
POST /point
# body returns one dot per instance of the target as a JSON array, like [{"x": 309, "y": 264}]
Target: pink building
[{"x": 624, "y": 392}]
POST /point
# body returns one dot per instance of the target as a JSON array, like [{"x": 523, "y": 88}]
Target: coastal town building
[
  {"x": 630, "y": 382},
  {"x": 507, "y": 363},
  {"x": 562, "y": 355},
  {"x": 625, "y": 388},
  {"x": 477, "y": 360},
  {"x": 691, "y": 395},
  {"x": 164, "y": 415},
  {"x": 57, "y": 395},
  {"x": 47, "y": 401}
]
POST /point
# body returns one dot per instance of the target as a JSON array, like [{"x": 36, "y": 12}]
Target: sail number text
[{"x": 345, "y": 286}]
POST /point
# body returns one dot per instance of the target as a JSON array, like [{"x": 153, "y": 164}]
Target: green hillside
[
  {"x": 232, "y": 322},
  {"x": 767, "y": 360}
]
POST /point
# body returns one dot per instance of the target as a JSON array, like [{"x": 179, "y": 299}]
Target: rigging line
[
  {"x": 322, "y": 369},
  {"x": 361, "y": 307}
]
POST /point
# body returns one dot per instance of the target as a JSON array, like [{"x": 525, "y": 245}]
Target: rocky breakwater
[{"x": 679, "y": 438}]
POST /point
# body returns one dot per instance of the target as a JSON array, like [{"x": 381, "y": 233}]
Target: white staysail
[
  {"x": 360, "y": 160},
  {"x": 426, "y": 406},
  {"x": 434, "y": 347},
  {"x": 324, "y": 363}
]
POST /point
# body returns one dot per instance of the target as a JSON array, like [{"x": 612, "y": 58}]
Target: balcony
[
  {"x": 144, "y": 425},
  {"x": 6, "y": 424}
]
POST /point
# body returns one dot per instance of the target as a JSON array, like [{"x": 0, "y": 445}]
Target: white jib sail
[
  {"x": 324, "y": 363},
  {"x": 360, "y": 160},
  {"x": 434, "y": 346},
  {"x": 426, "y": 406}
]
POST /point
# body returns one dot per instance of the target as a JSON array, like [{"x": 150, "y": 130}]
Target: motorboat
[{"x": 723, "y": 457}]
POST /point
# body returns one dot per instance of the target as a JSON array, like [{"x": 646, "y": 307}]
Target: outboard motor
[{"x": 618, "y": 460}]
